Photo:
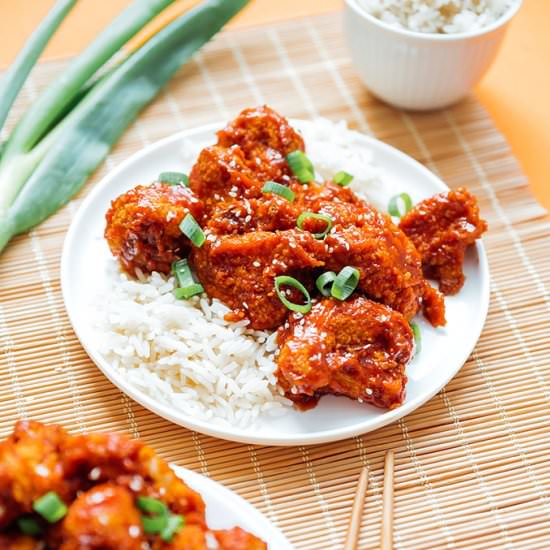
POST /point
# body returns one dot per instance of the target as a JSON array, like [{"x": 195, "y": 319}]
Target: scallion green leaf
[
  {"x": 313, "y": 216},
  {"x": 186, "y": 292},
  {"x": 417, "y": 337},
  {"x": 285, "y": 280},
  {"x": 399, "y": 205},
  {"x": 345, "y": 283},
  {"x": 174, "y": 523},
  {"x": 174, "y": 178},
  {"x": 153, "y": 525},
  {"x": 29, "y": 526},
  {"x": 50, "y": 507},
  {"x": 342, "y": 178},
  {"x": 324, "y": 282},
  {"x": 301, "y": 166},
  {"x": 187, "y": 285},
  {"x": 192, "y": 230},
  {"x": 62, "y": 90},
  {"x": 15, "y": 76},
  {"x": 62, "y": 161},
  {"x": 151, "y": 505},
  {"x": 279, "y": 189}
]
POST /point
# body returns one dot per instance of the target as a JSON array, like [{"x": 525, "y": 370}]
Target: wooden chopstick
[
  {"x": 357, "y": 511},
  {"x": 386, "y": 534}
]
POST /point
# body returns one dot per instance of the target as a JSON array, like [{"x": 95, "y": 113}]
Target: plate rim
[
  {"x": 232, "y": 433},
  {"x": 189, "y": 477}
]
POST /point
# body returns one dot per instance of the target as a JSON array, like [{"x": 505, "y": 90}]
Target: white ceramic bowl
[{"x": 420, "y": 71}]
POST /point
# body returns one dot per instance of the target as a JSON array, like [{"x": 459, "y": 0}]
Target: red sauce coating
[
  {"x": 357, "y": 348},
  {"x": 441, "y": 228},
  {"x": 252, "y": 237},
  {"x": 99, "y": 477},
  {"x": 143, "y": 226},
  {"x": 240, "y": 270}
]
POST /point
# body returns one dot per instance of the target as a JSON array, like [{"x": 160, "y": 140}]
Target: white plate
[
  {"x": 225, "y": 509},
  {"x": 444, "y": 350}
]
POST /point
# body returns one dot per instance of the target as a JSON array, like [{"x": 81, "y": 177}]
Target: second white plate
[
  {"x": 225, "y": 509},
  {"x": 444, "y": 350}
]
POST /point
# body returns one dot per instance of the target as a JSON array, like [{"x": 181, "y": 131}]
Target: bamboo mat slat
[{"x": 471, "y": 468}]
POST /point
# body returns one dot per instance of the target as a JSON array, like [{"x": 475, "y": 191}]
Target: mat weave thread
[{"x": 472, "y": 468}]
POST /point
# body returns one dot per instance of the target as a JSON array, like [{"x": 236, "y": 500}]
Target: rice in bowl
[{"x": 438, "y": 16}]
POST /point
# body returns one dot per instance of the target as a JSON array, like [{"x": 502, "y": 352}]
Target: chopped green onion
[
  {"x": 187, "y": 285},
  {"x": 50, "y": 507},
  {"x": 345, "y": 283},
  {"x": 291, "y": 281},
  {"x": 187, "y": 292},
  {"x": 301, "y": 166},
  {"x": 154, "y": 525},
  {"x": 323, "y": 281},
  {"x": 160, "y": 521},
  {"x": 182, "y": 271},
  {"x": 279, "y": 189},
  {"x": 152, "y": 505},
  {"x": 312, "y": 216},
  {"x": 342, "y": 178},
  {"x": 174, "y": 178},
  {"x": 192, "y": 230},
  {"x": 173, "y": 524},
  {"x": 29, "y": 526},
  {"x": 417, "y": 337},
  {"x": 394, "y": 206}
]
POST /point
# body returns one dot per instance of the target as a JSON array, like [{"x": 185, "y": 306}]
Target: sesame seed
[
  {"x": 136, "y": 484},
  {"x": 42, "y": 470},
  {"x": 95, "y": 473},
  {"x": 96, "y": 498},
  {"x": 134, "y": 531}
]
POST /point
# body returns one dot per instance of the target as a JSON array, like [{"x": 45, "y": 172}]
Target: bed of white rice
[
  {"x": 183, "y": 353},
  {"x": 438, "y": 16}
]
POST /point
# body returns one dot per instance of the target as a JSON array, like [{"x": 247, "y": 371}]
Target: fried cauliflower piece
[
  {"x": 266, "y": 138},
  {"x": 357, "y": 348},
  {"x": 103, "y": 518},
  {"x": 85, "y": 470},
  {"x": 238, "y": 539},
  {"x": 389, "y": 264},
  {"x": 251, "y": 150},
  {"x": 30, "y": 461},
  {"x": 441, "y": 228},
  {"x": 143, "y": 226},
  {"x": 240, "y": 271}
]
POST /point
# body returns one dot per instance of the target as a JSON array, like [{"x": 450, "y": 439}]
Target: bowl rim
[{"x": 503, "y": 20}]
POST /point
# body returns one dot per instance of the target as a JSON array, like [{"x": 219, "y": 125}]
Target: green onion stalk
[{"x": 70, "y": 129}]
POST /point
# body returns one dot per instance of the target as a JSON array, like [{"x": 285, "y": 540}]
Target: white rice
[
  {"x": 182, "y": 352},
  {"x": 438, "y": 16}
]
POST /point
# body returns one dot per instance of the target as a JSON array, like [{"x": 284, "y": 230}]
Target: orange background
[{"x": 516, "y": 90}]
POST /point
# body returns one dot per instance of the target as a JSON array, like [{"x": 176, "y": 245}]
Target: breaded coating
[
  {"x": 389, "y": 264},
  {"x": 103, "y": 518},
  {"x": 240, "y": 271},
  {"x": 441, "y": 228},
  {"x": 357, "y": 348},
  {"x": 238, "y": 539},
  {"x": 143, "y": 226},
  {"x": 99, "y": 477}
]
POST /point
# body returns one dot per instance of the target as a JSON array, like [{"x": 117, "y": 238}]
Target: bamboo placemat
[{"x": 471, "y": 465}]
